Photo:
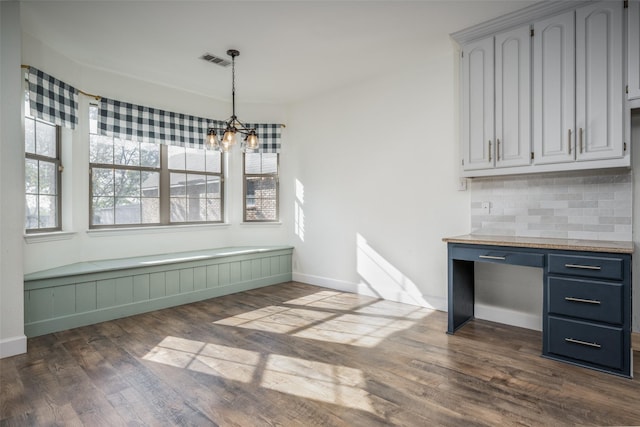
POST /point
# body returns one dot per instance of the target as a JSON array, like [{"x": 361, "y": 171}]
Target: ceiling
[{"x": 289, "y": 50}]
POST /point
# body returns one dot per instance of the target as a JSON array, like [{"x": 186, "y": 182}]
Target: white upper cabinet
[
  {"x": 478, "y": 105},
  {"x": 633, "y": 45},
  {"x": 599, "y": 86},
  {"x": 554, "y": 89},
  {"x": 551, "y": 102},
  {"x": 496, "y": 74},
  {"x": 513, "y": 97}
]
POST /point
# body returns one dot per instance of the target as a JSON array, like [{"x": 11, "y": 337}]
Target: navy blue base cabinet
[{"x": 587, "y": 299}]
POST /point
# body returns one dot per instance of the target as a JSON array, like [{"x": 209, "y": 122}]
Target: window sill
[
  {"x": 48, "y": 237},
  {"x": 254, "y": 223},
  {"x": 128, "y": 231}
]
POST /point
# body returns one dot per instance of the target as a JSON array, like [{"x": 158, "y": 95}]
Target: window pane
[
  {"x": 127, "y": 183},
  {"x": 196, "y": 185},
  {"x": 102, "y": 182},
  {"x": 93, "y": 119},
  {"x": 103, "y": 211},
  {"x": 46, "y": 139},
  {"x": 126, "y": 152},
  {"x": 178, "y": 184},
  {"x": 150, "y": 210},
  {"x": 31, "y": 211},
  {"x": 47, "y": 211},
  {"x": 101, "y": 149},
  {"x": 128, "y": 210},
  {"x": 214, "y": 210},
  {"x": 261, "y": 201},
  {"x": 176, "y": 157},
  {"x": 213, "y": 161},
  {"x": 178, "y": 209},
  {"x": 196, "y": 209},
  {"x": 47, "y": 178},
  {"x": 29, "y": 135},
  {"x": 195, "y": 159},
  {"x": 30, "y": 176},
  {"x": 150, "y": 155},
  {"x": 150, "y": 182},
  {"x": 214, "y": 185}
]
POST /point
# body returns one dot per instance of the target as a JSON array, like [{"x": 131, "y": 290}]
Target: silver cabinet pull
[
  {"x": 588, "y": 344},
  {"x": 580, "y": 140},
  {"x": 489, "y": 150},
  {"x": 501, "y": 258},
  {"x": 586, "y": 301},
  {"x": 569, "y": 141},
  {"x": 584, "y": 267},
  {"x": 498, "y": 149}
]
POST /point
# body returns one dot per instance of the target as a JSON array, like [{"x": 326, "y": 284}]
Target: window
[
  {"x": 43, "y": 171},
  {"x": 261, "y": 187},
  {"x": 147, "y": 183}
]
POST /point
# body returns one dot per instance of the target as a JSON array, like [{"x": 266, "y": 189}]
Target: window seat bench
[{"x": 91, "y": 292}]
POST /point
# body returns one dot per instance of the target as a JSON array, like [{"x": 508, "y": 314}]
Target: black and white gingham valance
[
  {"x": 52, "y": 100},
  {"x": 145, "y": 124},
  {"x": 268, "y": 136}
]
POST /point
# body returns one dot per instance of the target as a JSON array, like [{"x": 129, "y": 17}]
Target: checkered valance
[
  {"x": 268, "y": 135},
  {"x": 52, "y": 100},
  {"x": 138, "y": 123}
]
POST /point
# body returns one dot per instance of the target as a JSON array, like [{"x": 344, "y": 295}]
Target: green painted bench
[{"x": 91, "y": 292}]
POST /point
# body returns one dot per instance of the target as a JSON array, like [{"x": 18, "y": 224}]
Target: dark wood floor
[{"x": 300, "y": 355}]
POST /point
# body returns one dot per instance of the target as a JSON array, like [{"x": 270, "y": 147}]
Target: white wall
[
  {"x": 12, "y": 339},
  {"x": 80, "y": 245},
  {"x": 376, "y": 174}
]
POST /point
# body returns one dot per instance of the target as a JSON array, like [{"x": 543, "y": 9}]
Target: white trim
[
  {"x": 13, "y": 346},
  {"x": 49, "y": 237},
  {"x": 427, "y": 301},
  {"x": 127, "y": 231},
  {"x": 255, "y": 223},
  {"x": 508, "y": 317},
  {"x": 514, "y": 19}
]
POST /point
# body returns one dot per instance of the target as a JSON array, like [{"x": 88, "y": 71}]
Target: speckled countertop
[{"x": 545, "y": 243}]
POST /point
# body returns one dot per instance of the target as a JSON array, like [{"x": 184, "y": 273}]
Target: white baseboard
[
  {"x": 432, "y": 302},
  {"x": 13, "y": 346},
  {"x": 508, "y": 317}
]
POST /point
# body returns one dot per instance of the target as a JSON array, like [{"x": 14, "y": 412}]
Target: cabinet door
[
  {"x": 599, "y": 87},
  {"x": 633, "y": 45},
  {"x": 554, "y": 89},
  {"x": 478, "y": 142},
  {"x": 513, "y": 97}
]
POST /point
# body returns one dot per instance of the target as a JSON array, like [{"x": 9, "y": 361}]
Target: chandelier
[{"x": 233, "y": 126}]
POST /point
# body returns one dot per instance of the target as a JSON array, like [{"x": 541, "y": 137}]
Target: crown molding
[{"x": 527, "y": 15}]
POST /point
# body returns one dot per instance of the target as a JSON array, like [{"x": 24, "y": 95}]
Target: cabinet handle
[
  {"x": 588, "y": 344},
  {"x": 489, "y": 150},
  {"x": 569, "y": 141},
  {"x": 498, "y": 149},
  {"x": 586, "y": 301},
  {"x": 580, "y": 140},
  {"x": 584, "y": 267},
  {"x": 501, "y": 258}
]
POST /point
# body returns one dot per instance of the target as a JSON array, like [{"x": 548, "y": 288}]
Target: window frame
[
  {"x": 245, "y": 177},
  {"x": 164, "y": 189},
  {"x": 57, "y": 162}
]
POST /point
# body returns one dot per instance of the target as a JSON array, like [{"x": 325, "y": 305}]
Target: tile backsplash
[{"x": 595, "y": 205}]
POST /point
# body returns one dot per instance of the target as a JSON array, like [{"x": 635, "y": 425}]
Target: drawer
[
  {"x": 584, "y": 341},
  {"x": 498, "y": 256},
  {"x": 587, "y": 266},
  {"x": 600, "y": 301}
]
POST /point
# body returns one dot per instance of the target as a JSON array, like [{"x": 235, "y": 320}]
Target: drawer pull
[
  {"x": 588, "y": 344},
  {"x": 587, "y": 301},
  {"x": 501, "y": 258},
  {"x": 584, "y": 267}
]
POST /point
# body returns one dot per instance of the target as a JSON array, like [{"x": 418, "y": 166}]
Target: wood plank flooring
[{"x": 300, "y": 355}]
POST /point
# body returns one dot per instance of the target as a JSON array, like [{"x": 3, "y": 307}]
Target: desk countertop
[{"x": 545, "y": 243}]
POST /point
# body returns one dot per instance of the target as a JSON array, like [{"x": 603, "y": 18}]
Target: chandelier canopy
[{"x": 233, "y": 126}]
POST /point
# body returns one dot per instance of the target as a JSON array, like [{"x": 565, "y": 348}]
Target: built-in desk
[{"x": 586, "y": 296}]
